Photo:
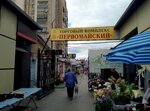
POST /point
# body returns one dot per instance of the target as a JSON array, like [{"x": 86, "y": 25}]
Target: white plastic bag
[{"x": 76, "y": 89}]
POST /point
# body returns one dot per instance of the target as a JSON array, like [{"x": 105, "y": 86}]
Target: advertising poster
[{"x": 97, "y": 61}]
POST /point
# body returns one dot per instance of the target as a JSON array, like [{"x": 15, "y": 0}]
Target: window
[
  {"x": 41, "y": 20},
  {"x": 42, "y": 9},
  {"x": 44, "y": 29},
  {"x": 32, "y": 12},
  {"x": 65, "y": 18},
  {"x": 32, "y": 5},
  {"x": 42, "y": 2},
  {"x": 63, "y": 9},
  {"x": 44, "y": 16}
]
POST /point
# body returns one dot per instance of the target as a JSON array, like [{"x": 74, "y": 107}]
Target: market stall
[{"x": 115, "y": 94}]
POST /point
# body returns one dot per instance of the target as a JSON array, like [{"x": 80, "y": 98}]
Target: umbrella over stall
[
  {"x": 135, "y": 50},
  {"x": 135, "y": 57}
]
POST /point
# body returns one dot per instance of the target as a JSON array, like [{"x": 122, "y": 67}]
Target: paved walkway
[{"x": 58, "y": 101}]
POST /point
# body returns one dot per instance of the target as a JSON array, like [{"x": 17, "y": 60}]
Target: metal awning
[{"x": 135, "y": 50}]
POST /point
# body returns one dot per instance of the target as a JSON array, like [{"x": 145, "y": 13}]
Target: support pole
[{"x": 45, "y": 44}]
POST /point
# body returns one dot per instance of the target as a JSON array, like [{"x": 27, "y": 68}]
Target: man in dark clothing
[
  {"x": 71, "y": 80},
  {"x": 114, "y": 73},
  {"x": 107, "y": 73}
]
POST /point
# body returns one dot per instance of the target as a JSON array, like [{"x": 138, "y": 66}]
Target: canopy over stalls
[{"x": 135, "y": 50}]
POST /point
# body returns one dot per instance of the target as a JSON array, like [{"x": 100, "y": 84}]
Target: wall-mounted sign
[
  {"x": 97, "y": 61},
  {"x": 78, "y": 34},
  {"x": 56, "y": 52}
]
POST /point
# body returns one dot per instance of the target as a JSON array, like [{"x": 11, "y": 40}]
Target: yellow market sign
[{"x": 78, "y": 34}]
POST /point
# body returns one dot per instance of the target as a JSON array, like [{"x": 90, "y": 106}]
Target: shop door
[{"x": 22, "y": 70}]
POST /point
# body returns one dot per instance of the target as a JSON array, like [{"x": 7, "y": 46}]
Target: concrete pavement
[{"x": 58, "y": 101}]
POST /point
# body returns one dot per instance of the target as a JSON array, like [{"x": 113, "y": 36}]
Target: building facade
[
  {"x": 61, "y": 21},
  {"x": 17, "y": 34},
  {"x": 44, "y": 17},
  {"x": 7, "y": 40},
  {"x": 135, "y": 19},
  {"x": 49, "y": 14},
  {"x": 30, "y": 7},
  {"x": 20, "y": 3}
]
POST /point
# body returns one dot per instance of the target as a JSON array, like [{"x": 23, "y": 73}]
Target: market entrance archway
[{"x": 82, "y": 34}]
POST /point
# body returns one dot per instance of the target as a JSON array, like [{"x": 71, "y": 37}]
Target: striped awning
[{"x": 135, "y": 50}]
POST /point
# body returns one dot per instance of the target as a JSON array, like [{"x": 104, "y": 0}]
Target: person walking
[{"x": 70, "y": 80}]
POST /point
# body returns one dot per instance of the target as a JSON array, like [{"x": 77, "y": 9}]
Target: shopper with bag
[
  {"x": 70, "y": 80},
  {"x": 76, "y": 89}
]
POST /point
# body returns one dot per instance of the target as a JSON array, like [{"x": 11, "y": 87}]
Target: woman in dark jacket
[{"x": 71, "y": 80}]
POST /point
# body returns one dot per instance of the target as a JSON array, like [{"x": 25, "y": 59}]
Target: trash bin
[{"x": 21, "y": 108}]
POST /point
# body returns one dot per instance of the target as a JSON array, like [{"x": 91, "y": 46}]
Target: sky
[{"x": 93, "y": 13}]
